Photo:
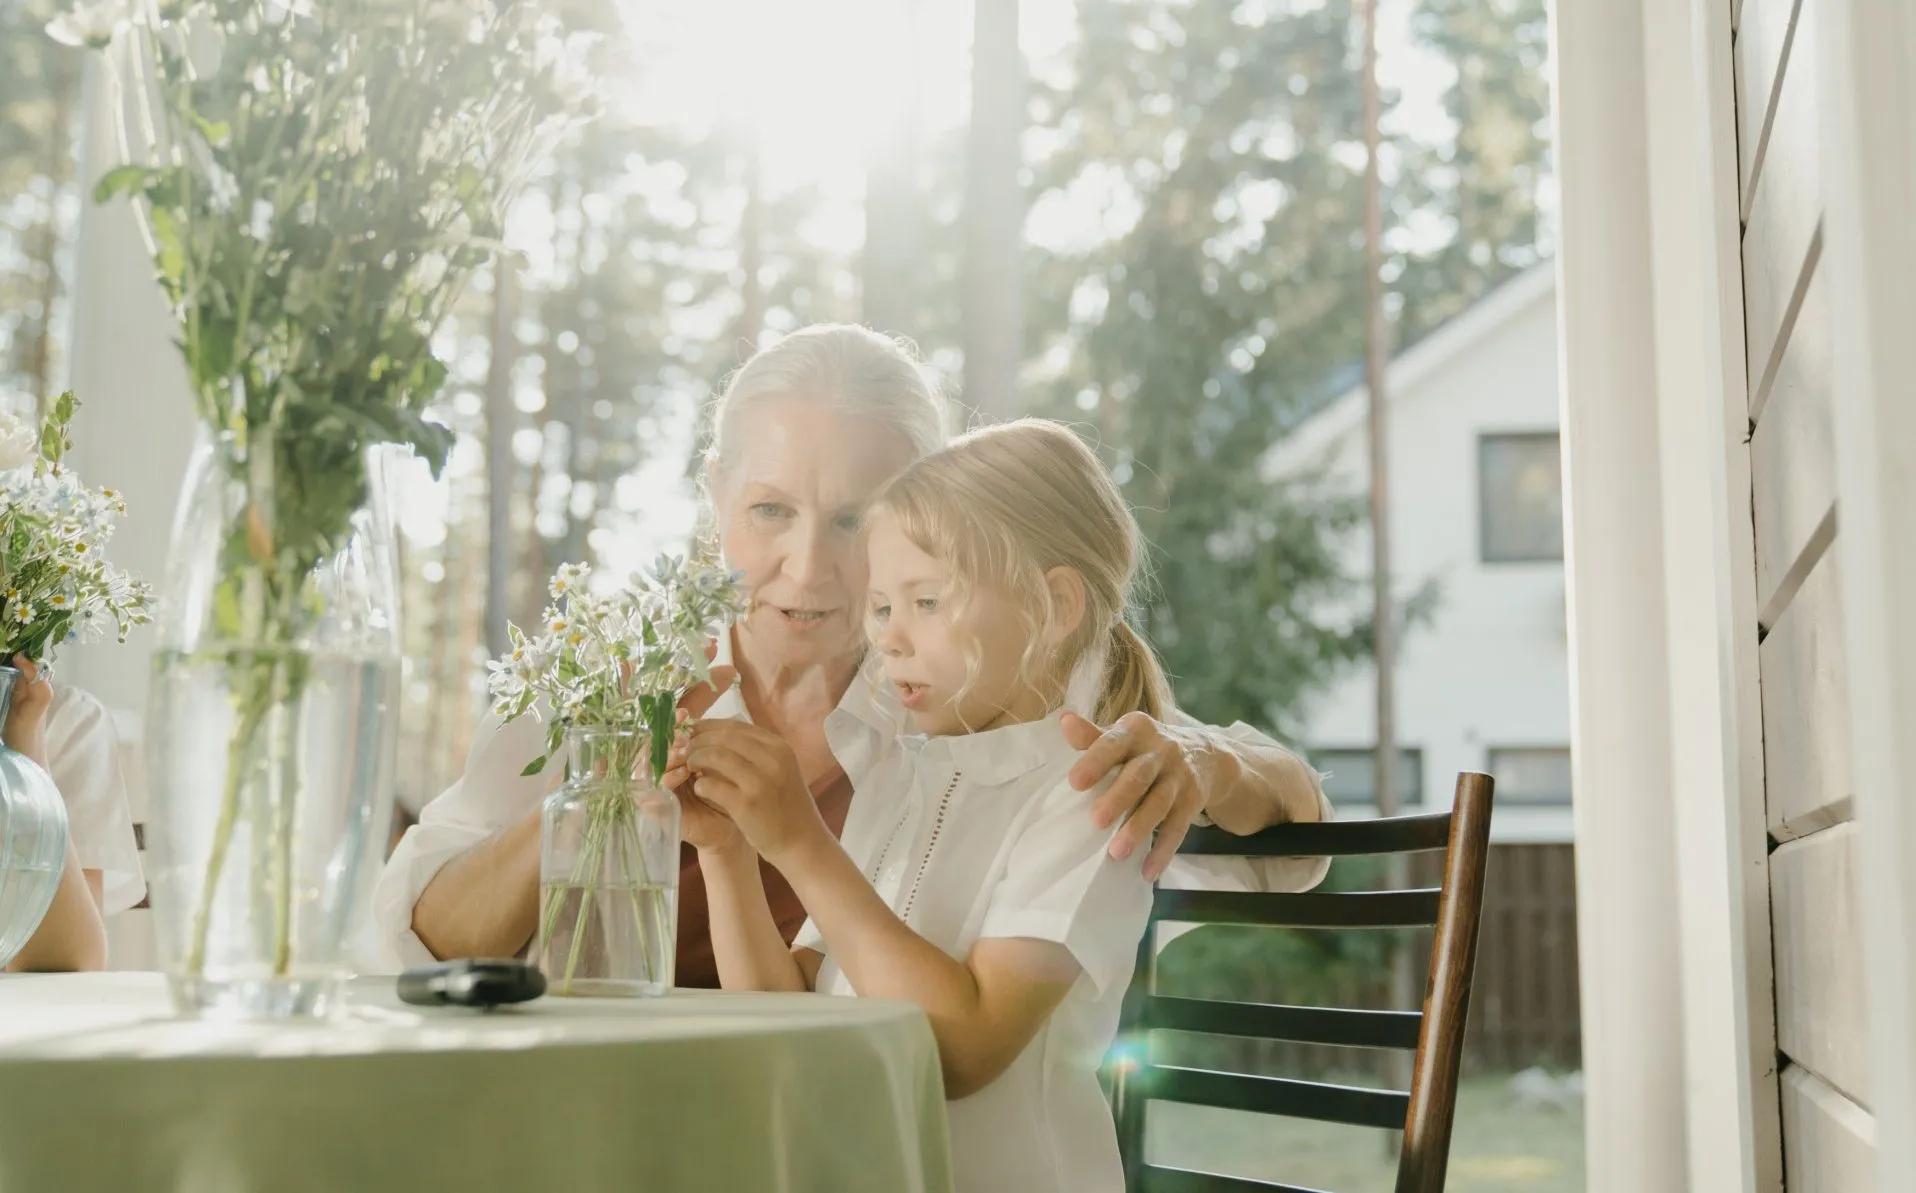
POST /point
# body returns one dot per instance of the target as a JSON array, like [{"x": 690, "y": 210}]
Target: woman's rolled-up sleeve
[{"x": 489, "y": 796}]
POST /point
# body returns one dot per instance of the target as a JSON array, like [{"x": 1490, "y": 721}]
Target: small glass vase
[
  {"x": 271, "y": 737},
  {"x": 33, "y": 838},
  {"x": 608, "y": 872}
]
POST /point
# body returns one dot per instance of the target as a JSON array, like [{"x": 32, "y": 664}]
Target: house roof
[{"x": 1410, "y": 368}]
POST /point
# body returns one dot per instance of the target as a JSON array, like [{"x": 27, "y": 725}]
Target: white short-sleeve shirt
[
  {"x": 83, "y": 755},
  {"x": 980, "y": 836}
]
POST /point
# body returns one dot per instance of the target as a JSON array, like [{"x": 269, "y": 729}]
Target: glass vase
[
  {"x": 608, "y": 872},
  {"x": 33, "y": 838},
  {"x": 273, "y": 732}
]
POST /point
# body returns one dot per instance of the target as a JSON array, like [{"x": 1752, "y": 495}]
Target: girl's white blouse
[{"x": 977, "y": 837}]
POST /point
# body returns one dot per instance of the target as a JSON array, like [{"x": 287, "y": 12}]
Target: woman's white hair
[{"x": 864, "y": 374}]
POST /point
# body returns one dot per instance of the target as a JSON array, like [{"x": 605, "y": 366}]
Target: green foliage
[{"x": 1197, "y": 336}]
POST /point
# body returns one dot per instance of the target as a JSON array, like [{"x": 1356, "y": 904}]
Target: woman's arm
[
  {"x": 483, "y": 902},
  {"x": 1171, "y": 774}
]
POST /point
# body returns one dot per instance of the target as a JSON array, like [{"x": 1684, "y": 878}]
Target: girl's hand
[
  {"x": 1158, "y": 790},
  {"x": 26, "y": 726},
  {"x": 751, "y": 775}
]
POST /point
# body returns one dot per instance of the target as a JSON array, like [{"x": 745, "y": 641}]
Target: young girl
[{"x": 969, "y": 880}]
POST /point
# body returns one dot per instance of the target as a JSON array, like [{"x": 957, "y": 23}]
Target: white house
[{"x": 1476, "y": 510}]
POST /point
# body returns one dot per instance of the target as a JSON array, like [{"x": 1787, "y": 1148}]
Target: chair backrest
[{"x": 1436, "y": 1034}]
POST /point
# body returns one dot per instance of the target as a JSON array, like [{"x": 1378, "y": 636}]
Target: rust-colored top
[{"x": 696, "y": 965}]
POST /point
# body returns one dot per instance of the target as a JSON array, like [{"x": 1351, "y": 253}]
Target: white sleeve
[
  {"x": 488, "y": 797},
  {"x": 83, "y": 754},
  {"x": 1061, "y": 884},
  {"x": 1270, "y": 874}
]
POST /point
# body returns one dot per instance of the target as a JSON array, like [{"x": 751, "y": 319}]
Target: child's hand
[
  {"x": 751, "y": 775},
  {"x": 703, "y": 826},
  {"x": 26, "y": 726}
]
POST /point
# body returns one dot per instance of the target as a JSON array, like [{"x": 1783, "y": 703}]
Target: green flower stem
[
  {"x": 239, "y": 750},
  {"x": 611, "y": 818},
  {"x": 285, "y": 806}
]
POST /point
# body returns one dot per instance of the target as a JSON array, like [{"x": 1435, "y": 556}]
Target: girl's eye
[
  {"x": 847, "y": 522},
  {"x": 881, "y": 613},
  {"x": 927, "y": 604}
]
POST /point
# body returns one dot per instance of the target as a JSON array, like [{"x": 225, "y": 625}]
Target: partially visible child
[
  {"x": 70, "y": 734},
  {"x": 969, "y": 881}
]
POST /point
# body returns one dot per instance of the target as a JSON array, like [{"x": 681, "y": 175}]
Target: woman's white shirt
[
  {"x": 491, "y": 795},
  {"x": 83, "y": 755},
  {"x": 978, "y": 837}
]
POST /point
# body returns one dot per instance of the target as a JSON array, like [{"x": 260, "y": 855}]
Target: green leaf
[
  {"x": 534, "y": 767},
  {"x": 123, "y": 180}
]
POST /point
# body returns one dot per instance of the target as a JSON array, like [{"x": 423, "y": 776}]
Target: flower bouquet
[
  {"x": 609, "y": 670},
  {"x": 317, "y": 181},
  {"x": 55, "y": 587}
]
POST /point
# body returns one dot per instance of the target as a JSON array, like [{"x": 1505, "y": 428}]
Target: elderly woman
[{"x": 806, "y": 432}]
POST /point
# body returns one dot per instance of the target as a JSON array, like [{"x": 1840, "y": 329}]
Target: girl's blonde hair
[{"x": 1000, "y": 507}]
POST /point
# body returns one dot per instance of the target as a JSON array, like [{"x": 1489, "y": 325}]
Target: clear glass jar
[
  {"x": 608, "y": 872},
  {"x": 272, "y": 731},
  {"x": 33, "y": 838}
]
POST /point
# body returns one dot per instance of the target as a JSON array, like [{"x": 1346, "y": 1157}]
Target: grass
[{"x": 1501, "y": 1145}]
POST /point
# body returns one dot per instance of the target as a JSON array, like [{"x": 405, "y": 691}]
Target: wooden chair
[{"x": 1435, "y": 1035}]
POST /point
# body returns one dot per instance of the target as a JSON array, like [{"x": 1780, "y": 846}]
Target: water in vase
[
  {"x": 271, "y": 776},
  {"x": 608, "y": 939}
]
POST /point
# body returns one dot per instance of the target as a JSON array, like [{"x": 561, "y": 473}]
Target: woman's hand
[
  {"x": 1160, "y": 788},
  {"x": 26, "y": 726},
  {"x": 751, "y": 775}
]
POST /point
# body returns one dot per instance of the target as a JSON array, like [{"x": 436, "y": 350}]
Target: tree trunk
[
  {"x": 502, "y": 419},
  {"x": 894, "y": 221},
  {"x": 63, "y": 73},
  {"x": 751, "y": 253},
  {"x": 994, "y": 215}
]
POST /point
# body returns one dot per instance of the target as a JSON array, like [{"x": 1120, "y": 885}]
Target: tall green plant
[{"x": 316, "y": 184}]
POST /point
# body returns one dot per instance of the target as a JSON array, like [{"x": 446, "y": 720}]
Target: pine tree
[{"x": 1197, "y": 333}]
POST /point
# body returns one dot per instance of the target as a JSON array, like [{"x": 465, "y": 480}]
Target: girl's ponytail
[{"x": 1133, "y": 679}]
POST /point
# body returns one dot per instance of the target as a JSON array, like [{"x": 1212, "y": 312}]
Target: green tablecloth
[{"x": 734, "y": 1093}]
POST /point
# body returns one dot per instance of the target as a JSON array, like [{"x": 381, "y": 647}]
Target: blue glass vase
[{"x": 33, "y": 838}]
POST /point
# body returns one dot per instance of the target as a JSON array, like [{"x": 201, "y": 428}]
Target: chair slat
[
  {"x": 1342, "y": 909},
  {"x": 1155, "y": 1178},
  {"x": 1274, "y": 1095},
  {"x": 1268, "y": 1021},
  {"x": 1329, "y": 838}
]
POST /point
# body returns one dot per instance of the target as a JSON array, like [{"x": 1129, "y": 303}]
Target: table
[{"x": 734, "y": 1093}]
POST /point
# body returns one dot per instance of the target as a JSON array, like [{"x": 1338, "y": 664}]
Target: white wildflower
[{"x": 19, "y": 444}]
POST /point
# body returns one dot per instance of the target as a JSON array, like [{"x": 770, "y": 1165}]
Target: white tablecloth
[{"x": 734, "y": 1093}]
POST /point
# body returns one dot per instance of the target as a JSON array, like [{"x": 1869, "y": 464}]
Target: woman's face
[{"x": 789, "y": 502}]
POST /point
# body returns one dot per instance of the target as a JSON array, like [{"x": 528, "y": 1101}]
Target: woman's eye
[
  {"x": 927, "y": 604},
  {"x": 848, "y": 522},
  {"x": 772, "y": 510},
  {"x": 881, "y": 614}
]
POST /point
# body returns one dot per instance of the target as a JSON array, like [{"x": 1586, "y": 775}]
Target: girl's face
[
  {"x": 789, "y": 504},
  {"x": 925, "y": 651}
]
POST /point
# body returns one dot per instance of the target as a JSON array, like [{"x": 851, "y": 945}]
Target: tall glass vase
[
  {"x": 33, "y": 838},
  {"x": 273, "y": 711},
  {"x": 608, "y": 872}
]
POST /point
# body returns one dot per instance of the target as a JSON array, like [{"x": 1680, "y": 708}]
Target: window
[
  {"x": 1531, "y": 775},
  {"x": 1520, "y": 491},
  {"x": 1350, "y": 775}
]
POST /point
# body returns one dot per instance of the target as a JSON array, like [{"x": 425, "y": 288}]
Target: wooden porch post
[
  {"x": 1868, "y": 70},
  {"x": 1634, "y": 1120}
]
